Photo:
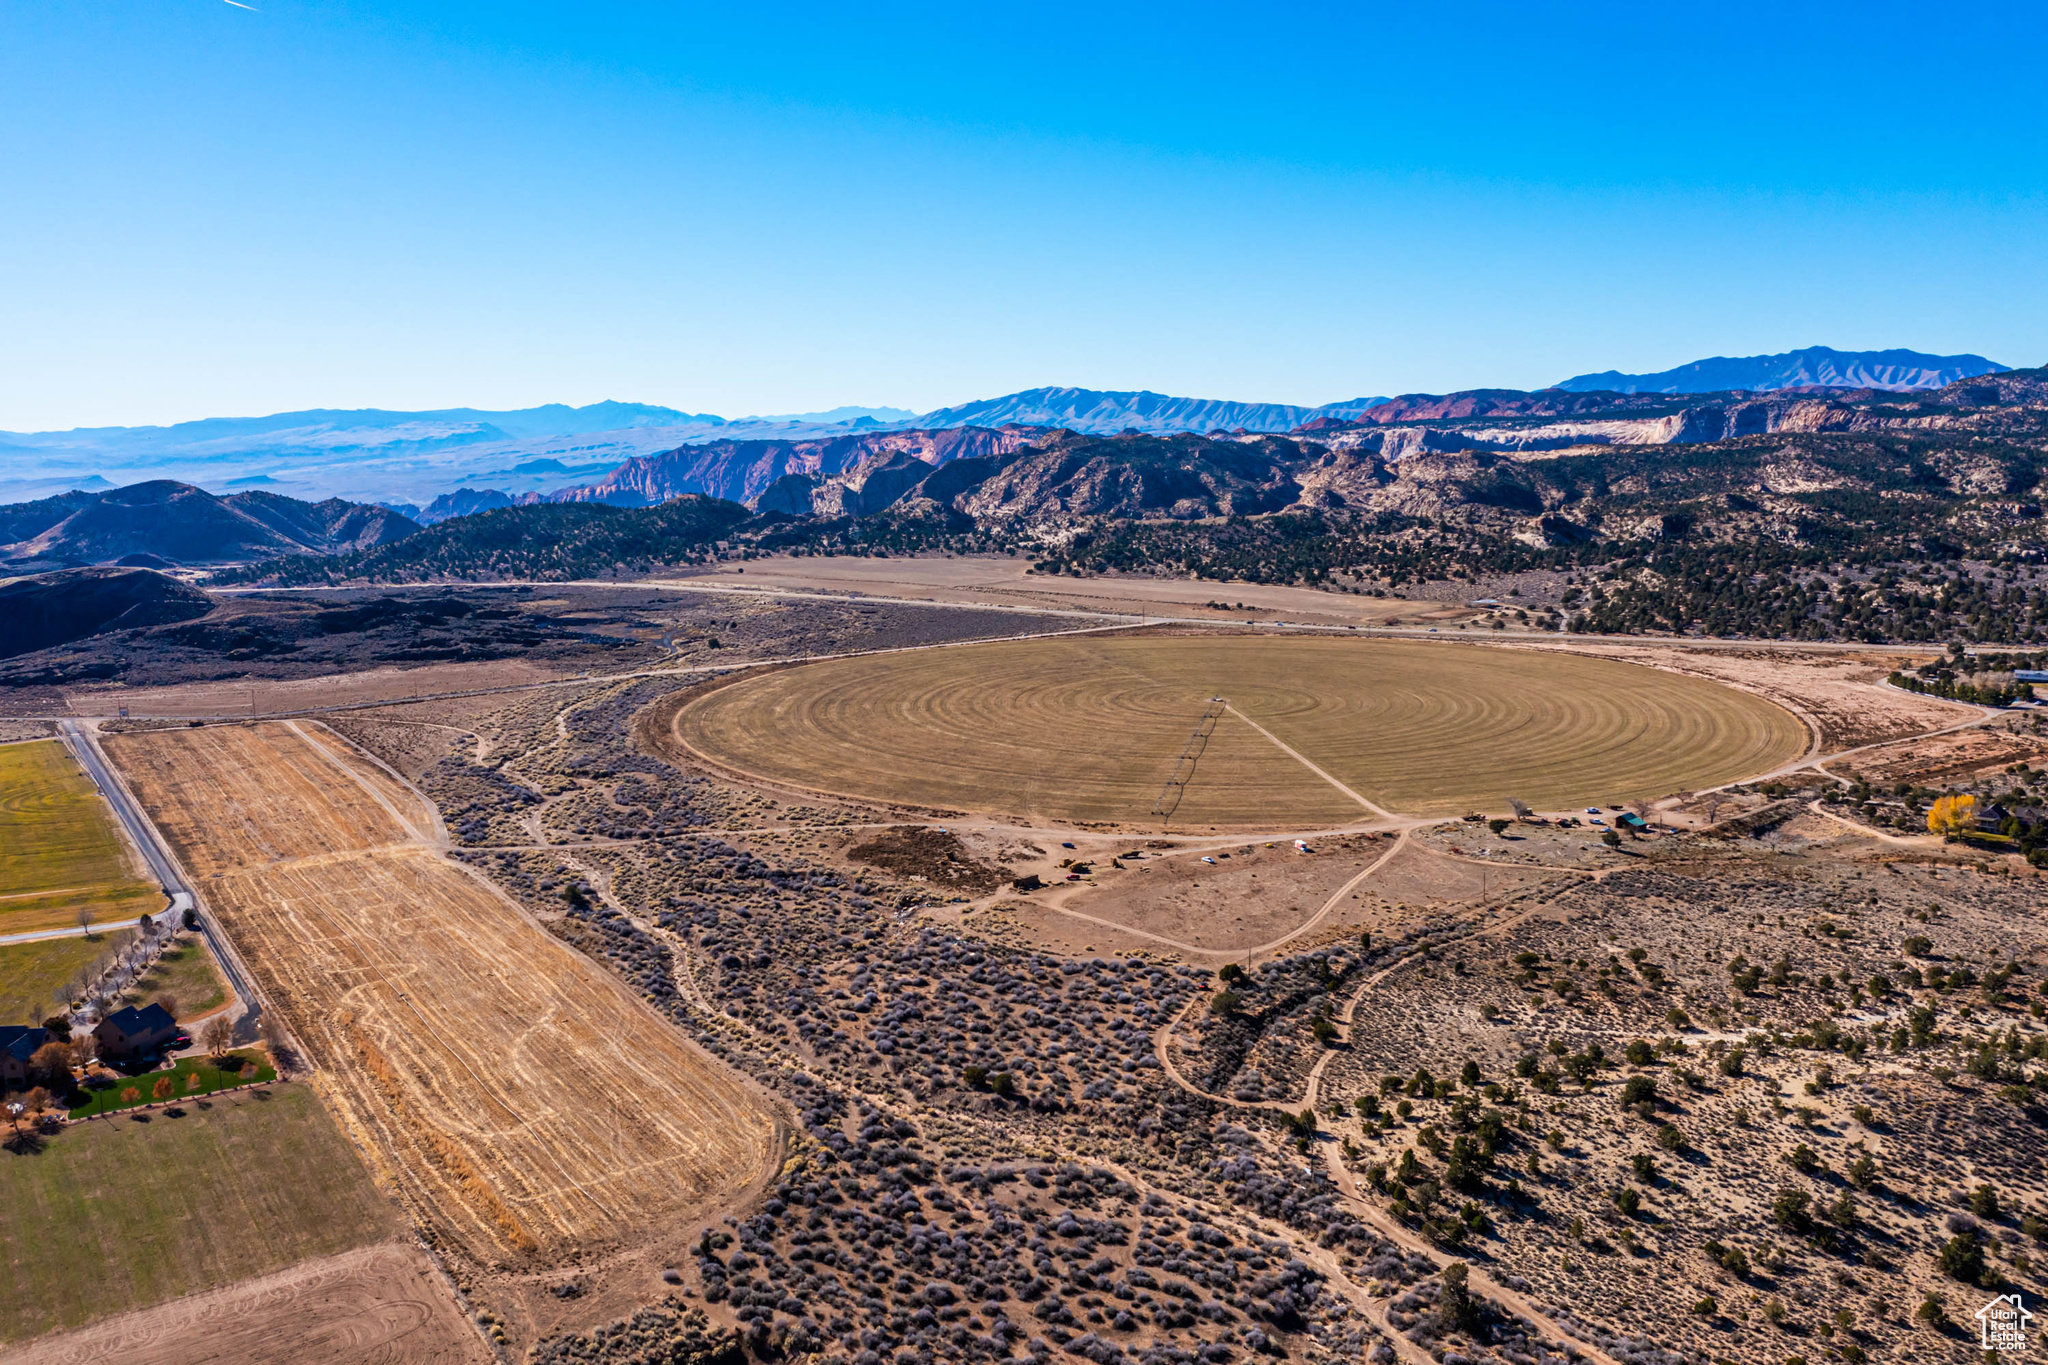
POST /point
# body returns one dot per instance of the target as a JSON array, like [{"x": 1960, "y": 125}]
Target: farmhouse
[
  {"x": 17, "y": 1045},
  {"x": 133, "y": 1032}
]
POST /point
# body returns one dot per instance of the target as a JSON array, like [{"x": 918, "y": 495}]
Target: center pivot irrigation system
[{"x": 1190, "y": 754}]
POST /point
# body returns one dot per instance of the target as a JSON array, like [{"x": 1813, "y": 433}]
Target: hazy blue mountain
[
  {"x": 461, "y": 503},
  {"x": 414, "y": 458},
  {"x": 355, "y": 427},
  {"x": 1815, "y": 366},
  {"x": 834, "y": 416},
  {"x": 38, "y": 485},
  {"x": 384, "y": 456},
  {"x": 378, "y": 455},
  {"x": 1099, "y": 413}
]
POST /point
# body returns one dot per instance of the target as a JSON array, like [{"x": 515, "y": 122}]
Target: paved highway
[{"x": 84, "y": 746}]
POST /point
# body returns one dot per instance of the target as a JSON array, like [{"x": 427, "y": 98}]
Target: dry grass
[
  {"x": 185, "y": 977},
  {"x": 521, "y": 1098},
  {"x": 376, "y": 1305},
  {"x": 1088, "y": 729},
  {"x": 34, "y": 976},
  {"x": 122, "y": 1212},
  {"x": 995, "y": 580},
  {"x": 234, "y": 698},
  {"x": 59, "y": 852}
]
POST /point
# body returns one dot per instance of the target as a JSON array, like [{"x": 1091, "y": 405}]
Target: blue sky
[{"x": 211, "y": 210}]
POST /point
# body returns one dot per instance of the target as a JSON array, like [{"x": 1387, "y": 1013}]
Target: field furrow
[
  {"x": 522, "y": 1099},
  {"x": 1088, "y": 729}
]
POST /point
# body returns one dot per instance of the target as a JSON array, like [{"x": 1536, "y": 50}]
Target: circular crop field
[{"x": 1088, "y": 729}]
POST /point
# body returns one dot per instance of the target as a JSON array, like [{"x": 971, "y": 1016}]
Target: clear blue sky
[{"x": 210, "y": 210}]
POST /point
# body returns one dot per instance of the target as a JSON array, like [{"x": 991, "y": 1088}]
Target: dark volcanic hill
[
  {"x": 538, "y": 541},
  {"x": 53, "y": 609},
  {"x": 178, "y": 523}
]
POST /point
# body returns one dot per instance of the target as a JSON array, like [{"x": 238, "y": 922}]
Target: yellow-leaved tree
[{"x": 1952, "y": 815}]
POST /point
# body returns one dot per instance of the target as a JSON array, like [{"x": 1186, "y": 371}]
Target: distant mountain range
[
  {"x": 1948, "y": 476},
  {"x": 373, "y": 455},
  {"x": 436, "y": 464},
  {"x": 1814, "y": 367},
  {"x": 1093, "y": 412},
  {"x": 1384, "y": 459},
  {"x": 1035, "y": 472}
]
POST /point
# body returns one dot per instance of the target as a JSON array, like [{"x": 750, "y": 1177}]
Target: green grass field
[
  {"x": 1088, "y": 729},
  {"x": 118, "y": 1214},
  {"x": 59, "y": 851},
  {"x": 184, "y": 975},
  {"x": 32, "y": 975},
  {"x": 190, "y": 1078}
]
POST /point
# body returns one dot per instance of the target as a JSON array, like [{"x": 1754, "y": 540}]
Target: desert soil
[
  {"x": 376, "y": 1305},
  {"x": 993, "y": 581},
  {"x": 273, "y": 696}
]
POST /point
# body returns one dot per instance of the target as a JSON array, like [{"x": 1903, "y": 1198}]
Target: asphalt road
[
  {"x": 85, "y": 747},
  {"x": 140, "y": 830}
]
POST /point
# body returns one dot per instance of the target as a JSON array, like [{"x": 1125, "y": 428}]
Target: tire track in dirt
[{"x": 1347, "y": 1183}]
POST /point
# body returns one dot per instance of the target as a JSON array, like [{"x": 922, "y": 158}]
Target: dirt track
[
  {"x": 520, "y": 1098},
  {"x": 379, "y": 1305}
]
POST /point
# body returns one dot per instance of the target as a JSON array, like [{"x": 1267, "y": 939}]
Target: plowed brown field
[{"x": 522, "y": 1100}]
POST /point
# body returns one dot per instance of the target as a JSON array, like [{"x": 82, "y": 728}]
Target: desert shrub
[{"x": 1962, "y": 1258}]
